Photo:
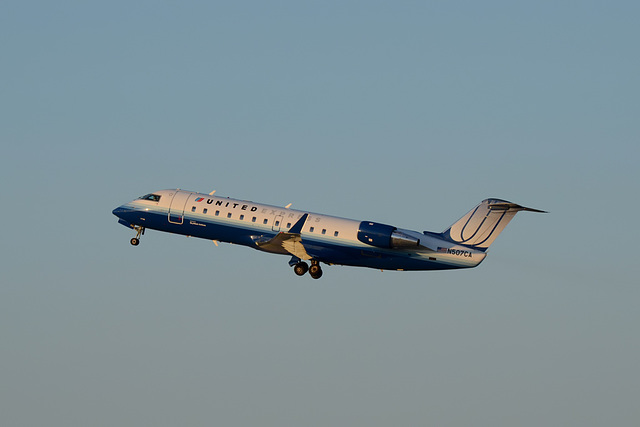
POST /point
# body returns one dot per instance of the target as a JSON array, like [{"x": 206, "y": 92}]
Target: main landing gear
[
  {"x": 135, "y": 241},
  {"x": 301, "y": 267}
]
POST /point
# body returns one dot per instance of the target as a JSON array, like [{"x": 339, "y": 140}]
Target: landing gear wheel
[
  {"x": 315, "y": 271},
  {"x": 139, "y": 232},
  {"x": 300, "y": 268}
]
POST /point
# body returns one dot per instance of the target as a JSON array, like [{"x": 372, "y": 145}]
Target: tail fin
[{"x": 480, "y": 227}]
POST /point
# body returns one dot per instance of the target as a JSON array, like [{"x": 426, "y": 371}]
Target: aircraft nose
[{"x": 118, "y": 211}]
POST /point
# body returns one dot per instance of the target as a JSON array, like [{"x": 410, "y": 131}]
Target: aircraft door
[{"x": 178, "y": 203}]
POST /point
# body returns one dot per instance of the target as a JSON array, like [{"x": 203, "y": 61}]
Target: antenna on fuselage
[
  {"x": 211, "y": 194},
  {"x": 288, "y": 206}
]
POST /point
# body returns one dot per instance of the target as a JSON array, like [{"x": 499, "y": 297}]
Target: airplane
[{"x": 319, "y": 238}]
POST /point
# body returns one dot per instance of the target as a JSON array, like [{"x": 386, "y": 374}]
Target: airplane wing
[{"x": 287, "y": 242}]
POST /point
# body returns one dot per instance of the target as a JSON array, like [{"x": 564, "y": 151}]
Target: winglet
[{"x": 297, "y": 227}]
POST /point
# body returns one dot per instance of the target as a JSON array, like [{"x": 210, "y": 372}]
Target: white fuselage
[{"x": 324, "y": 238}]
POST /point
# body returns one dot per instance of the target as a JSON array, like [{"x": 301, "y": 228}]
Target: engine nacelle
[
  {"x": 402, "y": 240},
  {"x": 385, "y": 236}
]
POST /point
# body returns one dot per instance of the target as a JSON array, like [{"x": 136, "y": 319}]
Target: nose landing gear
[{"x": 135, "y": 241}]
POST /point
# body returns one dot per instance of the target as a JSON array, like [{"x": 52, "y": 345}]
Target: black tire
[
  {"x": 315, "y": 271},
  {"x": 300, "y": 268},
  {"x": 135, "y": 241}
]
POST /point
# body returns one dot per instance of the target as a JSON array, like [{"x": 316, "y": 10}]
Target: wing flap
[{"x": 287, "y": 242}]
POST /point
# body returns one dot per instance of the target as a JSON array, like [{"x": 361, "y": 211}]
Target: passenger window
[
  {"x": 204, "y": 211},
  {"x": 311, "y": 229},
  {"x": 217, "y": 213},
  {"x": 288, "y": 225},
  {"x": 277, "y": 223},
  {"x": 241, "y": 217},
  {"x": 335, "y": 233},
  {"x": 229, "y": 215},
  {"x": 193, "y": 209},
  {"x": 253, "y": 219},
  {"x": 324, "y": 231},
  {"x": 265, "y": 221}
]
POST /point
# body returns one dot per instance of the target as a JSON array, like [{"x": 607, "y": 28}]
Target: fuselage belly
[{"x": 326, "y": 239}]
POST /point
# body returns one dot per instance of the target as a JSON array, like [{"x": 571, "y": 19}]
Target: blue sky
[{"x": 407, "y": 113}]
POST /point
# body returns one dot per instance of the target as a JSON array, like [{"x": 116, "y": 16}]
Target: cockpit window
[{"x": 152, "y": 197}]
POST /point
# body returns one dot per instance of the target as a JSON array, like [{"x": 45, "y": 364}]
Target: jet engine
[{"x": 385, "y": 236}]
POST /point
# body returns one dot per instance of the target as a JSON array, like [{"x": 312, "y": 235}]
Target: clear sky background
[{"x": 402, "y": 112}]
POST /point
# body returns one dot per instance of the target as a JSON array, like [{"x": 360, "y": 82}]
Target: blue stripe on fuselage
[{"x": 236, "y": 231}]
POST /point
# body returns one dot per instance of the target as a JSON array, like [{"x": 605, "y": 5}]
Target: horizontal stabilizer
[{"x": 507, "y": 206}]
